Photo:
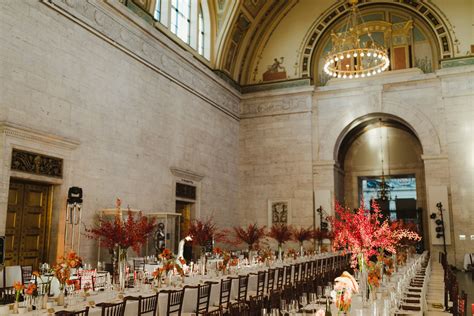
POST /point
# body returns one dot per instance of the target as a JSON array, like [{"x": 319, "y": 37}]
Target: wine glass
[
  {"x": 264, "y": 312},
  {"x": 303, "y": 300},
  {"x": 319, "y": 293},
  {"x": 293, "y": 307},
  {"x": 283, "y": 305},
  {"x": 313, "y": 299}
]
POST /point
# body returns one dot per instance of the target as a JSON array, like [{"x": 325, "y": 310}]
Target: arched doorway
[{"x": 380, "y": 158}]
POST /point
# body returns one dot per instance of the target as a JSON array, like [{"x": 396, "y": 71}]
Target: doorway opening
[
  {"x": 28, "y": 225},
  {"x": 380, "y": 159}
]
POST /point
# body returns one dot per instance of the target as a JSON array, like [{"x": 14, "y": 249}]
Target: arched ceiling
[{"x": 252, "y": 34}]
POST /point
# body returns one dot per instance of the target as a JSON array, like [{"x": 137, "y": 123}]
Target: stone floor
[{"x": 467, "y": 284}]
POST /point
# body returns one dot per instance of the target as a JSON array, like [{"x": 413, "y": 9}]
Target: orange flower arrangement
[
  {"x": 18, "y": 286},
  {"x": 373, "y": 274},
  {"x": 217, "y": 251},
  {"x": 62, "y": 269},
  {"x": 292, "y": 253},
  {"x": 166, "y": 254},
  {"x": 31, "y": 289},
  {"x": 170, "y": 263}
]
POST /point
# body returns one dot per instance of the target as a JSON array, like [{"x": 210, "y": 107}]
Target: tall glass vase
[
  {"x": 363, "y": 282},
  {"x": 280, "y": 252},
  {"x": 122, "y": 268}
]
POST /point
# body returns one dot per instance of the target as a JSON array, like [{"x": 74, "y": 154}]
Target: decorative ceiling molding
[
  {"x": 426, "y": 11},
  {"x": 149, "y": 46}
]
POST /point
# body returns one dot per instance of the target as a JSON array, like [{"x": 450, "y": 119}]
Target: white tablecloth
[{"x": 190, "y": 297}]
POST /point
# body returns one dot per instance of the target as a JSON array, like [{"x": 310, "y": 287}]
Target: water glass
[
  {"x": 319, "y": 292},
  {"x": 283, "y": 305},
  {"x": 264, "y": 312},
  {"x": 303, "y": 300},
  {"x": 275, "y": 312},
  {"x": 313, "y": 299}
]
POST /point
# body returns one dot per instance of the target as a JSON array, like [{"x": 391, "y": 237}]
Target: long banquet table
[{"x": 190, "y": 297}]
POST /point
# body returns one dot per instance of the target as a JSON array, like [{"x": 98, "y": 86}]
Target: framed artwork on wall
[{"x": 279, "y": 212}]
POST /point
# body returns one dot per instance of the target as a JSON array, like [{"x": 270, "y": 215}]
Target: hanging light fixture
[
  {"x": 347, "y": 58},
  {"x": 384, "y": 192}
]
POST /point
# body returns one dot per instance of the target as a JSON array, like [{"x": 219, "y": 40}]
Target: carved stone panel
[{"x": 29, "y": 162}]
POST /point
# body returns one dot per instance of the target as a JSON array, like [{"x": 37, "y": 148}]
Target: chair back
[
  {"x": 270, "y": 280},
  {"x": 148, "y": 304},
  {"x": 7, "y": 295},
  {"x": 138, "y": 264},
  {"x": 86, "y": 278},
  {"x": 288, "y": 275},
  {"x": 113, "y": 309},
  {"x": 202, "y": 304},
  {"x": 26, "y": 274},
  {"x": 224, "y": 297},
  {"x": 280, "y": 275},
  {"x": 296, "y": 273},
  {"x": 243, "y": 286},
  {"x": 216, "y": 312},
  {"x": 175, "y": 301},
  {"x": 261, "y": 276},
  {"x": 84, "y": 312},
  {"x": 100, "y": 280}
]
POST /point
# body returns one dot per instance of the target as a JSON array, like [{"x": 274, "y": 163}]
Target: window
[
  {"x": 201, "y": 32},
  {"x": 180, "y": 19},
  {"x": 157, "y": 14}
]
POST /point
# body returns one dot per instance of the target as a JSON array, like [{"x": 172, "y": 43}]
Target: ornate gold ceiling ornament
[{"x": 349, "y": 59}]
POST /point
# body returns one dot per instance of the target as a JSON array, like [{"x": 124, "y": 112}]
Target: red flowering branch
[
  {"x": 131, "y": 232},
  {"x": 280, "y": 232},
  {"x": 203, "y": 232},
  {"x": 251, "y": 235},
  {"x": 302, "y": 234}
]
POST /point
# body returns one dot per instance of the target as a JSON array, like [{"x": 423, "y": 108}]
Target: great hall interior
[{"x": 265, "y": 112}]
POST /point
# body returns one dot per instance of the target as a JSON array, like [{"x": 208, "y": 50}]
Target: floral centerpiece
[
  {"x": 292, "y": 253},
  {"x": 265, "y": 255},
  {"x": 119, "y": 234},
  {"x": 30, "y": 292},
  {"x": 374, "y": 276},
  {"x": 344, "y": 287},
  {"x": 250, "y": 235},
  {"x": 204, "y": 233},
  {"x": 170, "y": 265},
  {"x": 62, "y": 271},
  {"x": 301, "y": 235},
  {"x": 18, "y": 286},
  {"x": 281, "y": 233}
]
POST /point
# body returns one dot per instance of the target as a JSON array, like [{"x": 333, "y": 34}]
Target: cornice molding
[
  {"x": 155, "y": 54},
  {"x": 186, "y": 174},
  {"x": 266, "y": 104},
  {"x": 17, "y": 131}
]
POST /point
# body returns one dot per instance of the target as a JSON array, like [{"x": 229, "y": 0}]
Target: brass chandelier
[{"x": 347, "y": 58}]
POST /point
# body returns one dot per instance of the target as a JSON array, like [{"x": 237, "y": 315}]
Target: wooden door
[{"x": 27, "y": 228}]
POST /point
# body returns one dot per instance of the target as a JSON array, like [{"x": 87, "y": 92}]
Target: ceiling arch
[{"x": 259, "y": 33}]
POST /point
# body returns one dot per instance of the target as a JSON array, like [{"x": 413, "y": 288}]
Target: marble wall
[
  {"x": 119, "y": 105},
  {"x": 437, "y": 107}
]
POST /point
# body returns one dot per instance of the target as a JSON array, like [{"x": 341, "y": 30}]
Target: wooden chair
[
  {"x": 243, "y": 282},
  {"x": 203, "y": 294},
  {"x": 148, "y": 304},
  {"x": 279, "y": 281},
  {"x": 7, "y": 295},
  {"x": 296, "y": 273},
  {"x": 261, "y": 276},
  {"x": 112, "y": 309},
  {"x": 288, "y": 276},
  {"x": 175, "y": 301},
  {"x": 84, "y": 312},
  {"x": 100, "y": 281},
  {"x": 224, "y": 295},
  {"x": 270, "y": 281},
  {"x": 138, "y": 264},
  {"x": 26, "y": 274}
]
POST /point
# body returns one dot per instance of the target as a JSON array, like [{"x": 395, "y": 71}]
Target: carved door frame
[{"x": 13, "y": 136}]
